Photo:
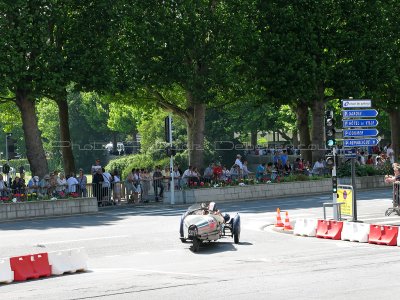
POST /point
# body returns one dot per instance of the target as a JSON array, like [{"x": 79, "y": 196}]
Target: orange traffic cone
[
  {"x": 278, "y": 218},
  {"x": 287, "y": 223}
]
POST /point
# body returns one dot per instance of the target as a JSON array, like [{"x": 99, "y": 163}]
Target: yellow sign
[{"x": 345, "y": 196}]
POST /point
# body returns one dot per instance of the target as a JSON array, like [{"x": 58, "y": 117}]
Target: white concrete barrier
[
  {"x": 79, "y": 259},
  {"x": 355, "y": 232},
  {"x": 60, "y": 262},
  {"x": 305, "y": 227},
  {"x": 6, "y": 274}
]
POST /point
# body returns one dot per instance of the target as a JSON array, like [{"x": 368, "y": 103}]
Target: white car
[{"x": 120, "y": 147}]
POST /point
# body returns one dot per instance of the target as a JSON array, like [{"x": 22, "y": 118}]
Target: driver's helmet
[
  {"x": 227, "y": 217},
  {"x": 212, "y": 206}
]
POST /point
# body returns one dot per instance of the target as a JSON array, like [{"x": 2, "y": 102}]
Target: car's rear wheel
[
  {"x": 236, "y": 237},
  {"x": 196, "y": 245}
]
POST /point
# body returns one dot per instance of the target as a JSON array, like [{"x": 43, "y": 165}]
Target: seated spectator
[
  {"x": 318, "y": 168},
  {"x": 287, "y": 168},
  {"x": 260, "y": 171},
  {"x": 61, "y": 184},
  {"x": 235, "y": 172},
  {"x": 246, "y": 171},
  {"x": 195, "y": 175},
  {"x": 208, "y": 173},
  {"x": 217, "y": 172},
  {"x": 186, "y": 176},
  {"x": 370, "y": 160},
  {"x": 279, "y": 166},
  {"x": 3, "y": 187},
  {"x": 33, "y": 184},
  {"x": 44, "y": 185},
  {"x": 17, "y": 186},
  {"x": 226, "y": 174},
  {"x": 72, "y": 183}
]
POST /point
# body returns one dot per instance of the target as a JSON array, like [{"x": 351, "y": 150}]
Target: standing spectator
[
  {"x": 73, "y": 183},
  {"x": 177, "y": 178},
  {"x": 82, "y": 180},
  {"x": 145, "y": 184},
  {"x": 235, "y": 172},
  {"x": 166, "y": 177},
  {"x": 106, "y": 185},
  {"x": 284, "y": 157},
  {"x": 226, "y": 174},
  {"x": 96, "y": 167},
  {"x": 116, "y": 188},
  {"x": 390, "y": 153},
  {"x": 157, "y": 183},
  {"x": 97, "y": 186},
  {"x": 239, "y": 163},
  {"x": 129, "y": 181}
]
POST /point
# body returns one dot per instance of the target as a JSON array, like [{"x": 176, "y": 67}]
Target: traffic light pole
[
  {"x": 171, "y": 162},
  {"x": 334, "y": 186},
  {"x": 353, "y": 183}
]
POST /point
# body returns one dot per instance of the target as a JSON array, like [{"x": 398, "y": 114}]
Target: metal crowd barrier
[{"x": 396, "y": 200}]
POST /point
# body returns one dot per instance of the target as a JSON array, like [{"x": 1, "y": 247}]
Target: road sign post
[{"x": 358, "y": 131}]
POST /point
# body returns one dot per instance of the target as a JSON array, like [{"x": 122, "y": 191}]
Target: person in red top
[
  {"x": 370, "y": 160},
  {"x": 217, "y": 171}
]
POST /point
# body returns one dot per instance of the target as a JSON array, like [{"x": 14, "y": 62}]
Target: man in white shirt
[
  {"x": 72, "y": 183},
  {"x": 319, "y": 167},
  {"x": 390, "y": 153}
]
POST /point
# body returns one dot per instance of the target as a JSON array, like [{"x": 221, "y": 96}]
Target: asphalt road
[{"x": 135, "y": 253}]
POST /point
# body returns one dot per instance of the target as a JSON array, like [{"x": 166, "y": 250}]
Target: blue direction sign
[
  {"x": 360, "y": 123},
  {"x": 350, "y": 153},
  {"x": 360, "y": 142},
  {"x": 360, "y": 132},
  {"x": 367, "y": 113}
]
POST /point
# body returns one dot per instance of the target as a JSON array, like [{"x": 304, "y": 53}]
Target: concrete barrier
[
  {"x": 305, "y": 227},
  {"x": 355, "y": 232},
  {"x": 266, "y": 191},
  {"x": 47, "y": 208}
]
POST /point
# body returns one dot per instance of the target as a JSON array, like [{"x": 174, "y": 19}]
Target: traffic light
[
  {"x": 167, "y": 129},
  {"x": 170, "y": 151},
  {"x": 330, "y": 129},
  {"x": 334, "y": 184}
]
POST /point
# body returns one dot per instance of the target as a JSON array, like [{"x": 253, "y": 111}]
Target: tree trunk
[
  {"x": 394, "y": 117},
  {"x": 304, "y": 130},
  {"x": 195, "y": 129},
  {"x": 295, "y": 138},
  {"x": 253, "y": 139},
  {"x": 65, "y": 137},
  {"x": 115, "y": 143},
  {"x": 318, "y": 134},
  {"x": 34, "y": 146}
]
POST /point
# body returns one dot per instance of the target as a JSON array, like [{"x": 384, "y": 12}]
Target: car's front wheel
[{"x": 196, "y": 245}]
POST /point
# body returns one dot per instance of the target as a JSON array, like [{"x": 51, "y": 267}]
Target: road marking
[
  {"x": 145, "y": 271},
  {"x": 82, "y": 240}
]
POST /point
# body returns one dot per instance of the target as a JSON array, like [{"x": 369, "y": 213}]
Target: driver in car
[{"x": 212, "y": 207}]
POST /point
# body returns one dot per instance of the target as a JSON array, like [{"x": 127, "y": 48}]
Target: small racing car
[{"x": 203, "y": 222}]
